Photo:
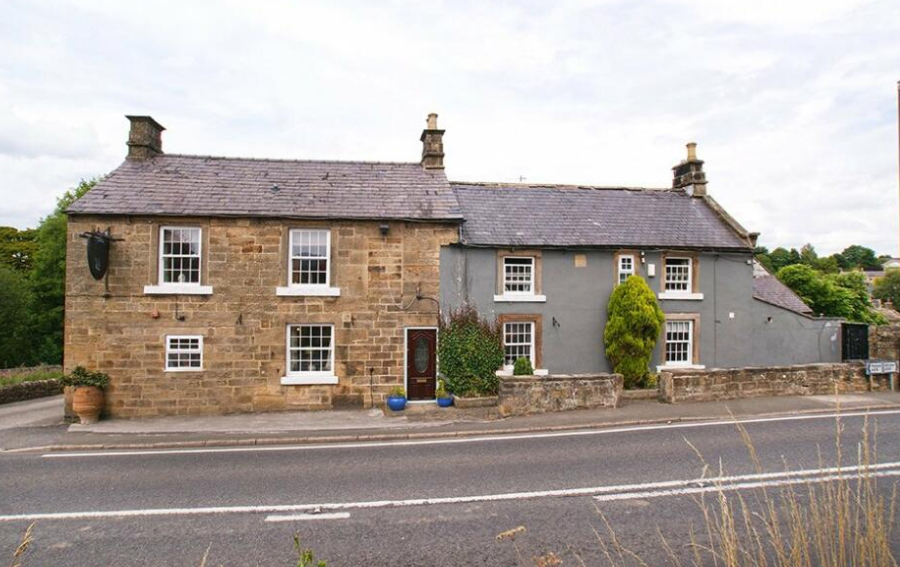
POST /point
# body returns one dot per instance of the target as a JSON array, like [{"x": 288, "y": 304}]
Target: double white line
[{"x": 340, "y": 510}]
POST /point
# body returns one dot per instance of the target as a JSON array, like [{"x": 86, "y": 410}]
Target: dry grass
[{"x": 840, "y": 522}]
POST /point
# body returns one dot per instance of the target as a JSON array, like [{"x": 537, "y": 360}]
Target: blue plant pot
[
  {"x": 396, "y": 403},
  {"x": 445, "y": 402}
]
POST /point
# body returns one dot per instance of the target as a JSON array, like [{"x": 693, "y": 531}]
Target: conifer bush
[
  {"x": 522, "y": 367},
  {"x": 632, "y": 329},
  {"x": 470, "y": 350}
]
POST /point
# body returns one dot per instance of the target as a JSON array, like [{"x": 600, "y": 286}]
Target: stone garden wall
[
  {"x": 29, "y": 391},
  {"x": 19, "y": 370},
  {"x": 884, "y": 342},
  {"x": 690, "y": 385},
  {"x": 520, "y": 395}
]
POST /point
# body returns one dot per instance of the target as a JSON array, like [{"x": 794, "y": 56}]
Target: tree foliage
[
  {"x": 887, "y": 288},
  {"x": 632, "y": 328},
  {"x": 17, "y": 247},
  {"x": 470, "y": 351},
  {"x": 15, "y": 304},
  {"x": 832, "y": 295}
]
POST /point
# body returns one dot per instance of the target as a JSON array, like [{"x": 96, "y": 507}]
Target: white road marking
[
  {"x": 717, "y": 487},
  {"x": 803, "y": 475},
  {"x": 303, "y": 517},
  {"x": 455, "y": 440}
]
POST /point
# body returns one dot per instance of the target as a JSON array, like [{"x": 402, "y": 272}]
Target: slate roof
[
  {"x": 766, "y": 287},
  {"x": 517, "y": 215},
  {"x": 183, "y": 185}
]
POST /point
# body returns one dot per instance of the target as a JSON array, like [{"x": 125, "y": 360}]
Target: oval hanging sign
[{"x": 98, "y": 255}]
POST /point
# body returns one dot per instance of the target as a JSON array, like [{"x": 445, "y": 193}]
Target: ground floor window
[
  {"x": 184, "y": 352},
  {"x": 679, "y": 343},
  {"x": 310, "y": 350},
  {"x": 518, "y": 342}
]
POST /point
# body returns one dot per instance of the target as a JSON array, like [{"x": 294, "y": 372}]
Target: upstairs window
[
  {"x": 678, "y": 275},
  {"x": 518, "y": 275},
  {"x": 179, "y": 255},
  {"x": 518, "y": 342},
  {"x": 310, "y": 260},
  {"x": 626, "y": 267},
  {"x": 679, "y": 343}
]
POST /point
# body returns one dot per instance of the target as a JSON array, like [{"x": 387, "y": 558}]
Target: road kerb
[{"x": 364, "y": 437}]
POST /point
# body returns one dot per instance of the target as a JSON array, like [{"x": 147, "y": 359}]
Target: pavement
[
  {"x": 439, "y": 501},
  {"x": 43, "y": 428}
]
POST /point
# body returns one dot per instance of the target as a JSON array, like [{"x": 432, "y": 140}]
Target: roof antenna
[{"x": 522, "y": 179}]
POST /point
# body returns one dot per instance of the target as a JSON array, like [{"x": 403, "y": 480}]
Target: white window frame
[
  {"x": 690, "y": 345},
  {"x": 170, "y": 350},
  {"x": 531, "y": 344},
  {"x": 308, "y": 377},
  {"x": 163, "y": 287},
  {"x": 521, "y": 296},
  {"x": 679, "y": 293},
  {"x": 299, "y": 289},
  {"x": 621, "y": 271}
]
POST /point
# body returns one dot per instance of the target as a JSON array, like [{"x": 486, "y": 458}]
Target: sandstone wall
[
  {"x": 884, "y": 341},
  {"x": 121, "y": 331},
  {"x": 520, "y": 395},
  {"x": 729, "y": 384},
  {"x": 19, "y": 370}
]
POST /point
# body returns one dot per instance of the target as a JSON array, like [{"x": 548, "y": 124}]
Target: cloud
[{"x": 793, "y": 104}]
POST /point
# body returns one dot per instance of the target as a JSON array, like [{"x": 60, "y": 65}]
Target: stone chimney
[
  {"x": 145, "y": 137},
  {"x": 432, "y": 145},
  {"x": 689, "y": 174}
]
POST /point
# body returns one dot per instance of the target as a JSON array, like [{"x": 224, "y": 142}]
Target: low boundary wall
[
  {"x": 520, "y": 395},
  {"x": 690, "y": 385},
  {"x": 29, "y": 391}
]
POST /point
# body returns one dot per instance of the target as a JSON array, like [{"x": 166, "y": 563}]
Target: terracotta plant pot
[{"x": 87, "y": 402}]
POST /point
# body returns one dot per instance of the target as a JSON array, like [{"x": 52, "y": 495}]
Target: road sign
[{"x": 881, "y": 367}]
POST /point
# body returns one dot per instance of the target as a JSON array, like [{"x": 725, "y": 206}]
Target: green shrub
[
  {"x": 470, "y": 351},
  {"x": 397, "y": 392},
  {"x": 441, "y": 391},
  {"x": 81, "y": 376},
  {"x": 35, "y": 376},
  {"x": 522, "y": 367},
  {"x": 632, "y": 329}
]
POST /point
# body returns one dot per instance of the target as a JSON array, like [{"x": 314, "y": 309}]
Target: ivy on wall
[{"x": 470, "y": 350}]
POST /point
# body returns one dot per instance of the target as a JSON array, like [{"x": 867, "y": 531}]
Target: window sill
[
  {"x": 183, "y": 370},
  {"x": 178, "y": 289},
  {"x": 681, "y": 367},
  {"x": 509, "y": 372},
  {"x": 308, "y": 380},
  {"x": 307, "y": 290},
  {"x": 680, "y": 295},
  {"x": 520, "y": 298}
]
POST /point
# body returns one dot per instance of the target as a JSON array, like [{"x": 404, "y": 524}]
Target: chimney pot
[
  {"x": 144, "y": 138},
  {"x": 432, "y": 145},
  {"x": 692, "y": 151}
]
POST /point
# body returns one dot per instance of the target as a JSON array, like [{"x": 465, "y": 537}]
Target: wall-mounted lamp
[
  {"x": 384, "y": 229},
  {"x": 643, "y": 259},
  {"x": 555, "y": 323}
]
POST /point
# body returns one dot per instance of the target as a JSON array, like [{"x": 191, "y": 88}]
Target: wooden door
[{"x": 421, "y": 359}]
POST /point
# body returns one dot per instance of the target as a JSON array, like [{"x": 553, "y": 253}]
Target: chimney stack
[
  {"x": 689, "y": 174},
  {"x": 432, "y": 145},
  {"x": 144, "y": 138}
]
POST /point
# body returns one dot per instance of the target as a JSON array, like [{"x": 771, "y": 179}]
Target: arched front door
[{"x": 421, "y": 363}]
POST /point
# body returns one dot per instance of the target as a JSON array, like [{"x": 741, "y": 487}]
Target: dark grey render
[{"x": 738, "y": 314}]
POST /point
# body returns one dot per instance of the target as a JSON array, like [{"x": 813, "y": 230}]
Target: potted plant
[
  {"x": 88, "y": 399},
  {"x": 444, "y": 399},
  {"x": 397, "y": 399}
]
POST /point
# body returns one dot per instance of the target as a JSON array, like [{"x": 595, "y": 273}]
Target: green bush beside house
[{"x": 633, "y": 326}]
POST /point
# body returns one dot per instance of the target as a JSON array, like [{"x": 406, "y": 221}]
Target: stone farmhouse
[{"x": 243, "y": 285}]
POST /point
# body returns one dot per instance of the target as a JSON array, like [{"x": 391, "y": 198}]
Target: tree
[
  {"x": 832, "y": 295},
  {"x": 17, "y": 247},
  {"x": 48, "y": 278},
  {"x": 632, "y": 329},
  {"x": 762, "y": 256},
  {"x": 860, "y": 257},
  {"x": 781, "y": 257},
  {"x": 887, "y": 288},
  {"x": 14, "y": 305}
]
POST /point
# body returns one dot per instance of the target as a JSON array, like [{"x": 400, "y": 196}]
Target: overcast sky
[{"x": 793, "y": 104}]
